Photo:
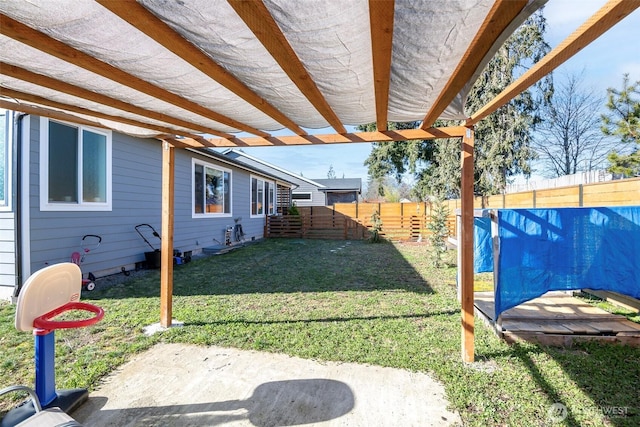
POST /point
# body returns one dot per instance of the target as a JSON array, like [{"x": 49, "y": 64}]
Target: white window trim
[
  {"x": 302, "y": 192},
  {"x": 264, "y": 196},
  {"x": 25, "y": 199},
  {"x": 195, "y": 162},
  {"x": 273, "y": 188},
  {"x": 45, "y": 205}
]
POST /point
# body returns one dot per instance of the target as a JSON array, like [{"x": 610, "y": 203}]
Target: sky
[{"x": 603, "y": 62}]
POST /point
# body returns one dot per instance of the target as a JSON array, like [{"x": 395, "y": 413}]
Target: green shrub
[
  {"x": 439, "y": 232},
  {"x": 376, "y": 227},
  {"x": 293, "y": 210}
]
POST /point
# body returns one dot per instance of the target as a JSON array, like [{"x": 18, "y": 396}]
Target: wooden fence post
[
  {"x": 345, "y": 229},
  {"x": 580, "y": 196}
]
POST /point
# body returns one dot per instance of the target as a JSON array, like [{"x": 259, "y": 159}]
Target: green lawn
[{"x": 381, "y": 304}]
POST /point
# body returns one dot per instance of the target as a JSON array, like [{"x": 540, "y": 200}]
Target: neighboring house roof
[
  {"x": 238, "y": 154},
  {"x": 237, "y": 163},
  {"x": 340, "y": 184}
]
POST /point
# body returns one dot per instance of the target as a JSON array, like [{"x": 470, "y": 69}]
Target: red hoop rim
[{"x": 44, "y": 322}]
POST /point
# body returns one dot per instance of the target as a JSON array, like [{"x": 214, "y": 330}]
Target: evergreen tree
[
  {"x": 623, "y": 121},
  {"x": 502, "y": 140},
  {"x": 332, "y": 173},
  {"x": 438, "y": 232}
]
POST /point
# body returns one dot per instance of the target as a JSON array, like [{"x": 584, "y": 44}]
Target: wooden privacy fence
[
  {"x": 625, "y": 192},
  {"x": 400, "y": 221},
  {"x": 318, "y": 226},
  {"x": 409, "y": 221}
]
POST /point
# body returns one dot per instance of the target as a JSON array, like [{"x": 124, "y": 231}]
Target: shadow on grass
[
  {"x": 323, "y": 320},
  {"x": 284, "y": 266},
  {"x": 608, "y": 373}
]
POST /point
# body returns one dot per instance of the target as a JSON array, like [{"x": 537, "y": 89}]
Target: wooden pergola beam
[
  {"x": 49, "y": 82},
  {"x": 381, "y": 19},
  {"x": 145, "y": 21},
  {"x": 18, "y": 31},
  {"x": 45, "y": 112},
  {"x": 605, "y": 18},
  {"x": 257, "y": 17},
  {"x": 498, "y": 19},
  {"x": 79, "y": 110},
  {"x": 386, "y": 136}
]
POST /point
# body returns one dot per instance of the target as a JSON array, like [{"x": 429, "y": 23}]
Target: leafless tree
[{"x": 569, "y": 139}]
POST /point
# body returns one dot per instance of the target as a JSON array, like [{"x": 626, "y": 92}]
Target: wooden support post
[
  {"x": 459, "y": 256},
  {"x": 580, "y": 195},
  {"x": 465, "y": 245},
  {"x": 534, "y": 198},
  {"x": 166, "y": 270},
  {"x": 345, "y": 226},
  {"x": 495, "y": 245}
]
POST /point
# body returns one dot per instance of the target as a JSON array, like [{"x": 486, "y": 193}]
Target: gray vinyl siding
[
  {"x": 197, "y": 233},
  {"x": 136, "y": 199},
  {"x": 252, "y": 227},
  {"x": 317, "y": 197},
  {"x": 7, "y": 212},
  {"x": 7, "y": 254}
]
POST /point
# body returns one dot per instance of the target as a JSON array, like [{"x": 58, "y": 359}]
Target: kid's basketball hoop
[
  {"x": 45, "y": 322},
  {"x": 47, "y": 294}
]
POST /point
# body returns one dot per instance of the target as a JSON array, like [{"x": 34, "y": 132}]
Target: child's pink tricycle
[{"x": 89, "y": 242}]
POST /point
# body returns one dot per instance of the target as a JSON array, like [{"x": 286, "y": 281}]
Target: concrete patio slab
[{"x": 187, "y": 385}]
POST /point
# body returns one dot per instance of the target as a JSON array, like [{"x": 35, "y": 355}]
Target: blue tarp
[
  {"x": 482, "y": 245},
  {"x": 567, "y": 248}
]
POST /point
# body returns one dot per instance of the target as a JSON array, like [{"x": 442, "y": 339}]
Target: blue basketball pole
[
  {"x": 45, "y": 349},
  {"x": 45, "y": 358}
]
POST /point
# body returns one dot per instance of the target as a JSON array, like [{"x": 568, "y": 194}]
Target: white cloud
[{"x": 567, "y": 15}]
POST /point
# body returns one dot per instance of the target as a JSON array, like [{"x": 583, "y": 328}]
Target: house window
[
  {"x": 349, "y": 197},
  {"x": 211, "y": 190},
  {"x": 301, "y": 196},
  {"x": 271, "y": 198},
  {"x": 4, "y": 143},
  {"x": 75, "y": 167},
  {"x": 262, "y": 197}
]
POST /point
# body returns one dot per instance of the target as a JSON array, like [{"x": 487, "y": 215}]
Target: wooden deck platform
[{"x": 556, "y": 319}]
